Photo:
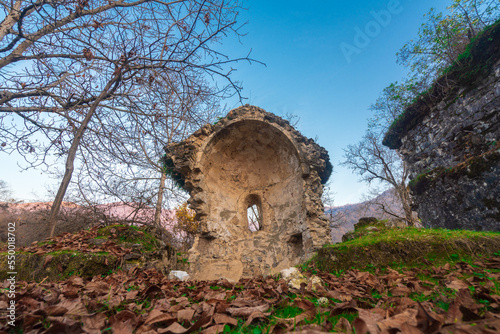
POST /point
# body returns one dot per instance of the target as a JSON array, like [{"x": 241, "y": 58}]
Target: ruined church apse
[
  {"x": 252, "y": 160},
  {"x": 251, "y": 163}
]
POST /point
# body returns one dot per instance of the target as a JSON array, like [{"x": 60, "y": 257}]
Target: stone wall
[
  {"x": 252, "y": 157},
  {"x": 451, "y": 142}
]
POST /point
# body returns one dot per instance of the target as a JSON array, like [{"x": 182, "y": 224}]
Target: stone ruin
[
  {"x": 256, "y": 185},
  {"x": 450, "y": 141}
]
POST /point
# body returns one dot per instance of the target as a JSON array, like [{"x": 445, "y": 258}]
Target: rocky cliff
[{"x": 450, "y": 139}]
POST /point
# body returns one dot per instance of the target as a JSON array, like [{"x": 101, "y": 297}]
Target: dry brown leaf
[
  {"x": 347, "y": 307},
  {"x": 131, "y": 295},
  {"x": 47, "y": 260},
  {"x": 122, "y": 327},
  {"x": 400, "y": 291},
  {"x": 70, "y": 291},
  {"x": 426, "y": 322},
  {"x": 225, "y": 283},
  {"x": 468, "y": 314},
  {"x": 409, "y": 317},
  {"x": 487, "y": 326},
  {"x": 185, "y": 315},
  {"x": 371, "y": 318},
  {"x": 221, "y": 307},
  {"x": 59, "y": 326},
  {"x": 153, "y": 314},
  {"x": 464, "y": 298},
  {"x": 253, "y": 316},
  {"x": 339, "y": 295},
  {"x": 114, "y": 300},
  {"x": 453, "y": 315},
  {"x": 360, "y": 326},
  {"x": 241, "y": 303},
  {"x": 94, "y": 322},
  {"x": 74, "y": 306},
  {"x": 408, "y": 329},
  {"x": 164, "y": 318},
  {"x": 457, "y": 284},
  {"x": 304, "y": 304},
  {"x": 213, "y": 329},
  {"x": 124, "y": 316},
  {"x": 76, "y": 281},
  {"x": 99, "y": 287},
  {"x": 55, "y": 310},
  {"x": 247, "y": 311},
  {"x": 225, "y": 319},
  {"x": 174, "y": 328},
  {"x": 343, "y": 326},
  {"x": 30, "y": 320}
]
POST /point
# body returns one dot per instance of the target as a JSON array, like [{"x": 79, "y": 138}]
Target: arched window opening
[{"x": 254, "y": 213}]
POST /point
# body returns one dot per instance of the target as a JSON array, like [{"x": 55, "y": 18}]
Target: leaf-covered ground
[
  {"x": 90, "y": 252},
  {"x": 462, "y": 297}
]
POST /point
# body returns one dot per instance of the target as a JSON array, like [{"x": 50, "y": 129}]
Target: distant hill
[
  {"x": 78, "y": 217},
  {"x": 31, "y": 218},
  {"x": 346, "y": 216}
]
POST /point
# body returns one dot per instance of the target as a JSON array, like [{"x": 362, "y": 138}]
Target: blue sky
[
  {"x": 308, "y": 74},
  {"x": 317, "y": 67}
]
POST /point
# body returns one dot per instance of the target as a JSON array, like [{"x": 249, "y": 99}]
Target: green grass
[{"x": 406, "y": 248}]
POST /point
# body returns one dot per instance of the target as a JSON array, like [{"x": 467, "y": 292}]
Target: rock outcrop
[
  {"x": 450, "y": 139},
  {"x": 252, "y": 159}
]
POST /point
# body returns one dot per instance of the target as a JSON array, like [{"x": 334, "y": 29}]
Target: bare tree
[
  {"x": 5, "y": 191},
  {"x": 443, "y": 37},
  {"x": 71, "y": 68},
  {"x": 328, "y": 198},
  {"x": 138, "y": 175},
  {"x": 377, "y": 163}
]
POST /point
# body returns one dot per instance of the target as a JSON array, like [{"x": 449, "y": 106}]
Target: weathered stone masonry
[
  {"x": 451, "y": 142},
  {"x": 252, "y": 157}
]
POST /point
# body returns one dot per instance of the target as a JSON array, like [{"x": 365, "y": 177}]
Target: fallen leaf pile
[
  {"x": 459, "y": 298},
  {"x": 147, "y": 302},
  {"x": 82, "y": 242}
]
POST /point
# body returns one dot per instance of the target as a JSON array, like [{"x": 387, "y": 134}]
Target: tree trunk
[
  {"x": 70, "y": 160},
  {"x": 159, "y": 201},
  {"x": 405, "y": 201}
]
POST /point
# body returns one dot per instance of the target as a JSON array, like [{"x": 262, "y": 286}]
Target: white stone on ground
[{"x": 178, "y": 275}]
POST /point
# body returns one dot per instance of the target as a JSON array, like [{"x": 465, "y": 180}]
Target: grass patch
[{"x": 408, "y": 247}]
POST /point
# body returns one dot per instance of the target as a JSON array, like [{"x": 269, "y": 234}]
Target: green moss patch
[
  {"x": 409, "y": 247},
  {"x": 472, "y": 168},
  {"x": 88, "y": 253},
  {"x": 128, "y": 235},
  {"x": 59, "y": 265}
]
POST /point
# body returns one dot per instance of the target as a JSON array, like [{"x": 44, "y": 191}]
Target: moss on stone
[
  {"x": 125, "y": 234},
  {"x": 62, "y": 264},
  {"x": 59, "y": 264},
  {"x": 473, "y": 167},
  {"x": 408, "y": 246}
]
